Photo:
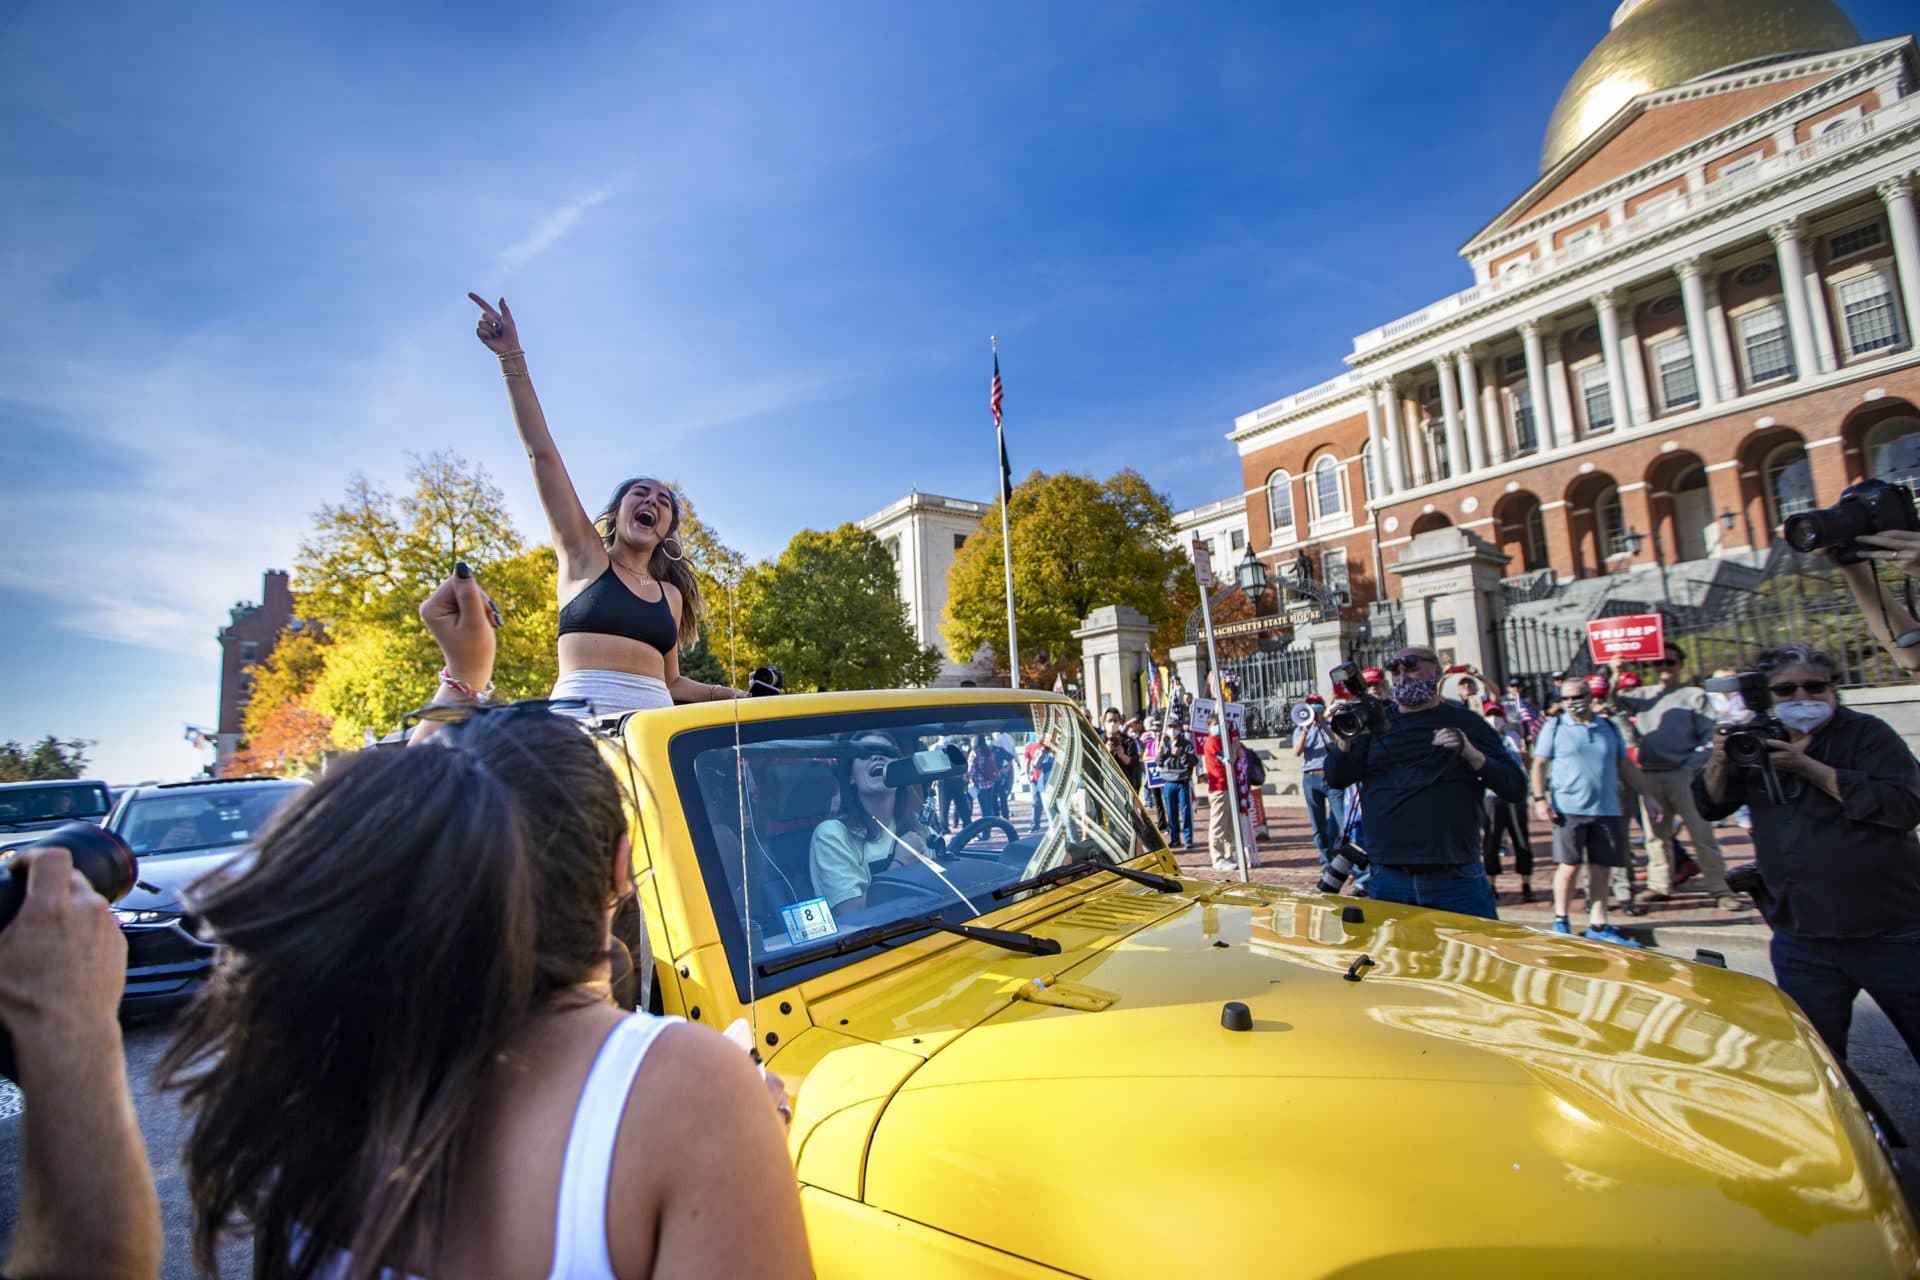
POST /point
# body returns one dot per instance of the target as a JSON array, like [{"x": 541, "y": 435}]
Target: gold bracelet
[
  {"x": 515, "y": 373},
  {"x": 508, "y": 355}
]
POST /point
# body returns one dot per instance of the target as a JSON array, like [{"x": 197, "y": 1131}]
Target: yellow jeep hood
[{"x": 1483, "y": 1100}]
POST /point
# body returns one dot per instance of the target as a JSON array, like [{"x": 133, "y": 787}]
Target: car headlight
[{"x": 125, "y": 916}]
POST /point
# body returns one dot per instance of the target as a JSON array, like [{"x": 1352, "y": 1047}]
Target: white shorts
[{"x": 612, "y": 693}]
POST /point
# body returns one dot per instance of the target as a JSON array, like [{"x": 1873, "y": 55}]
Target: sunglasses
[
  {"x": 461, "y": 712},
  {"x": 1814, "y": 688},
  {"x": 1400, "y": 664}
]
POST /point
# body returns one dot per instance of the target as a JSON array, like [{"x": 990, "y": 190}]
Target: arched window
[
  {"x": 1610, "y": 523},
  {"x": 1893, "y": 452},
  {"x": 1789, "y": 481},
  {"x": 1366, "y": 470},
  {"x": 1327, "y": 498},
  {"x": 1280, "y": 501}
]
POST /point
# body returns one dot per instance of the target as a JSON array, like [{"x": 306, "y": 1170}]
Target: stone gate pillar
[
  {"x": 1190, "y": 664},
  {"x": 1450, "y": 584},
  {"x": 1113, "y": 654},
  {"x": 1331, "y": 642}
]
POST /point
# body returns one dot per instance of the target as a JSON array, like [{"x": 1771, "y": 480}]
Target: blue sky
[{"x": 755, "y": 247}]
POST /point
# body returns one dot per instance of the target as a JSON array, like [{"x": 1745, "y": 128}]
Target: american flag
[
  {"x": 1153, "y": 681},
  {"x": 994, "y": 396}
]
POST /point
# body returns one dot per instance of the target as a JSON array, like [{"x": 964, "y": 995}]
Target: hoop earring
[{"x": 678, "y": 554}]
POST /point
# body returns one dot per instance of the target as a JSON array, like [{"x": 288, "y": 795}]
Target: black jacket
[
  {"x": 1836, "y": 868},
  {"x": 1420, "y": 804}
]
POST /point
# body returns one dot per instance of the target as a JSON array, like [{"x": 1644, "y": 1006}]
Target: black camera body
[
  {"x": 1363, "y": 713},
  {"x": 101, "y": 856},
  {"x": 1747, "y": 745},
  {"x": 1870, "y": 506}
]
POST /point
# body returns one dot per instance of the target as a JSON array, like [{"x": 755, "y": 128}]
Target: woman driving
[
  {"x": 878, "y": 827},
  {"x": 628, "y": 599}
]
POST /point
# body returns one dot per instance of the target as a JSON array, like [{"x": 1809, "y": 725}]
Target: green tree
[
  {"x": 828, "y": 613},
  {"x": 46, "y": 760},
  {"x": 1078, "y": 544},
  {"x": 288, "y": 675}
]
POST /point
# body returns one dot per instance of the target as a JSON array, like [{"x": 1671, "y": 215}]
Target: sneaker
[
  {"x": 1686, "y": 871},
  {"x": 1732, "y": 902},
  {"x": 1654, "y": 895},
  {"x": 1607, "y": 933},
  {"x": 1526, "y": 893},
  {"x": 1560, "y": 925}
]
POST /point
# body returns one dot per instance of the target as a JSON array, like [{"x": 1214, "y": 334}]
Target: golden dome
[{"x": 1656, "y": 44}]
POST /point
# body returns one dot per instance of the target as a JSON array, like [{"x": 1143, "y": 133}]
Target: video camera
[
  {"x": 1747, "y": 745},
  {"x": 1868, "y": 506},
  {"x": 1362, "y": 713},
  {"x": 101, "y": 856}
]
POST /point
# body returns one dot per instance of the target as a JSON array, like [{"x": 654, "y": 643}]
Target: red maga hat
[
  {"x": 1597, "y": 686},
  {"x": 1373, "y": 675}
]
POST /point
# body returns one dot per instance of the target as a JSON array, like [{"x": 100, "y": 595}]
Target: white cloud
[{"x": 548, "y": 231}]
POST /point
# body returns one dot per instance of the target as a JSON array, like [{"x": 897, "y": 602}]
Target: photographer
[
  {"x": 87, "y": 1202},
  {"x": 1834, "y": 843},
  {"x": 1425, "y": 766}
]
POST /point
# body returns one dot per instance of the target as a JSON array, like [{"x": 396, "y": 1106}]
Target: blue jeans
[
  {"x": 1326, "y": 810},
  {"x": 1464, "y": 889},
  {"x": 1823, "y": 975},
  {"x": 1178, "y": 798}
]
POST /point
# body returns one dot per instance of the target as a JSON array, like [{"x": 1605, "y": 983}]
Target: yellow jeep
[{"x": 1029, "y": 1047}]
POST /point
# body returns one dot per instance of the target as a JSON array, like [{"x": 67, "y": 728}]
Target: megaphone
[{"x": 1302, "y": 714}]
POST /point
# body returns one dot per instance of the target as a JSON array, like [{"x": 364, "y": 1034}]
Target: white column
[
  {"x": 1606, "y": 307},
  {"x": 1418, "y": 442},
  {"x": 1693, "y": 299},
  {"x": 1723, "y": 361},
  {"x": 1497, "y": 451},
  {"x": 1389, "y": 410},
  {"x": 1470, "y": 405},
  {"x": 1787, "y": 237},
  {"x": 1544, "y": 425},
  {"x": 1450, "y": 415},
  {"x": 1897, "y": 195},
  {"x": 1633, "y": 365},
  {"x": 1559, "y": 392},
  {"x": 1377, "y": 447}
]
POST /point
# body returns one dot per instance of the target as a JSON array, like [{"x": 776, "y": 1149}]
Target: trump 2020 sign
[{"x": 1638, "y": 637}]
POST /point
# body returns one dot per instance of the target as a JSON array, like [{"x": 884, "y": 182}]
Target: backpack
[{"x": 1256, "y": 772}]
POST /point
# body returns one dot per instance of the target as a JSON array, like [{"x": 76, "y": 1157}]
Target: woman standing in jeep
[{"x": 628, "y": 598}]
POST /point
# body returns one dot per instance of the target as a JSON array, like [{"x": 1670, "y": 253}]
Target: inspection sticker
[{"x": 808, "y": 920}]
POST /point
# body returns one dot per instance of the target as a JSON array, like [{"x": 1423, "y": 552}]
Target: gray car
[{"x": 181, "y": 831}]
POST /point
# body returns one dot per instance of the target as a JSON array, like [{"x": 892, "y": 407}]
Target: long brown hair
[
  {"x": 400, "y": 923},
  {"x": 665, "y": 568},
  {"x": 853, "y": 812}
]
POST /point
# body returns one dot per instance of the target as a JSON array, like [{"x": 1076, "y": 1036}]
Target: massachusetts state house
[{"x": 1698, "y": 320}]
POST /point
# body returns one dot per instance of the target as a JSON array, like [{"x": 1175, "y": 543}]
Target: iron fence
[
  {"x": 1533, "y": 652},
  {"x": 1269, "y": 684},
  {"x": 1811, "y": 607}
]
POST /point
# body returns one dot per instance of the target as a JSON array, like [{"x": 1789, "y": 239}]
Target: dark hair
[
  {"x": 400, "y": 923},
  {"x": 664, "y": 567},
  {"x": 853, "y": 812}
]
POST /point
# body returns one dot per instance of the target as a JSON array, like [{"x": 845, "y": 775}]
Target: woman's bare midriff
[{"x": 587, "y": 651}]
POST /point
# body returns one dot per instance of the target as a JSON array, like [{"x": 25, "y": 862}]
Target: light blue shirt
[{"x": 1584, "y": 779}]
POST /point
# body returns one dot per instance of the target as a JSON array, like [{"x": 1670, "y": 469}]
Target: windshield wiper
[
  {"x": 861, "y": 939},
  {"x": 1070, "y": 870}
]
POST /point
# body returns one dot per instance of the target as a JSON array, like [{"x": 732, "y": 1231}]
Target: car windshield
[
  {"x": 167, "y": 822},
  {"x": 41, "y": 803},
  {"x": 852, "y": 821}
]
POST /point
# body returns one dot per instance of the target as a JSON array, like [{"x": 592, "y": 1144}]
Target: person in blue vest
[{"x": 1579, "y": 762}]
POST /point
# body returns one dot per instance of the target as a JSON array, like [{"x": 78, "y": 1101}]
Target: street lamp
[
  {"x": 1727, "y": 518},
  {"x": 1631, "y": 541},
  {"x": 1251, "y": 574}
]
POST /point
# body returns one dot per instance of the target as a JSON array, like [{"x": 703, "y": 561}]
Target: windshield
[
  {"x": 204, "y": 818},
  {"x": 851, "y": 821},
  {"x": 63, "y": 802}
]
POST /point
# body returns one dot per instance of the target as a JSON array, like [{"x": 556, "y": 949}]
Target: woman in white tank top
[{"x": 407, "y": 1063}]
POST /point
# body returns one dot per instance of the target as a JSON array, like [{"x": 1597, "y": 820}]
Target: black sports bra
[{"x": 609, "y": 607}]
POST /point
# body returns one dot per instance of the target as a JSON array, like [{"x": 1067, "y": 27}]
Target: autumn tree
[
  {"x": 1078, "y": 544},
  {"x": 828, "y": 612},
  {"x": 291, "y": 741},
  {"x": 47, "y": 760}
]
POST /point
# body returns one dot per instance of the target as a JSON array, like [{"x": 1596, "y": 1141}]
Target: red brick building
[
  {"x": 1698, "y": 320},
  {"x": 245, "y": 642}
]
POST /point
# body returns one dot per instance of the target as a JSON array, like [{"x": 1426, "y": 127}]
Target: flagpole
[{"x": 1006, "y": 536}]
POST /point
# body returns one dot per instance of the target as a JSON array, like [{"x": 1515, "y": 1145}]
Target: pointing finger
[{"x": 481, "y": 303}]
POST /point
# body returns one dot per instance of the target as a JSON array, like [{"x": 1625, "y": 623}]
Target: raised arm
[{"x": 582, "y": 553}]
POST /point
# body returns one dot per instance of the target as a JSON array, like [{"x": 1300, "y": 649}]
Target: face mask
[
  {"x": 1409, "y": 692},
  {"x": 1803, "y": 716}
]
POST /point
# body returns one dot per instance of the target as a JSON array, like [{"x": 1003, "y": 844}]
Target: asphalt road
[{"x": 1877, "y": 1055}]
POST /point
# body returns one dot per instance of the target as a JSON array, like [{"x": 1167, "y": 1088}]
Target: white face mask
[{"x": 1803, "y": 715}]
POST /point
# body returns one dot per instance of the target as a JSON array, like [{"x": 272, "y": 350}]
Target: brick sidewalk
[{"x": 1286, "y": 857}]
